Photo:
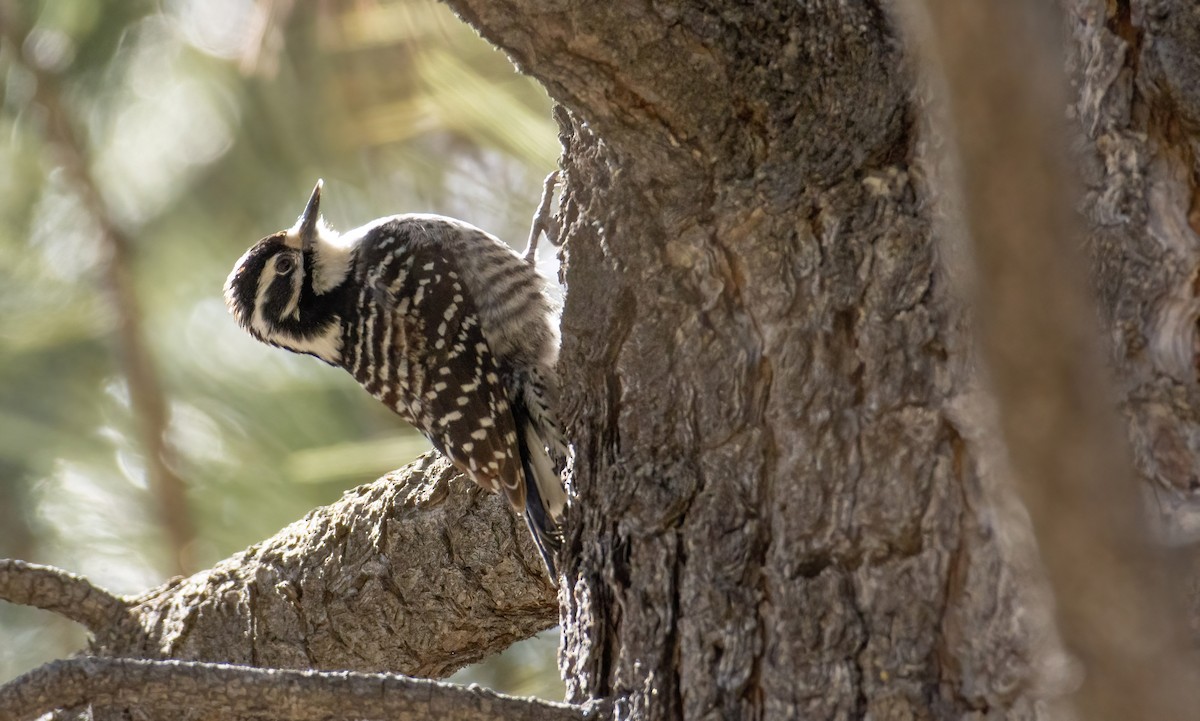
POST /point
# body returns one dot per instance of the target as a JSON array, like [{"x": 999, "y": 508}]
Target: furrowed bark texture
[
  {"x": 1038, "y": 336},
  {"x": 778, "y": 512},
  {"x": 791, "y": 499},
  {"x": 1137, "y": 66},
  {"x": 419, "y": 573}
]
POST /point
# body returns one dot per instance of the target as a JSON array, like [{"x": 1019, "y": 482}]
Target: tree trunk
[{"x": 790, "y": 499}]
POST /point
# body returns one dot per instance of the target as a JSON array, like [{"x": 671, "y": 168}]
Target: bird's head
[{"x": 283, "y": 290}]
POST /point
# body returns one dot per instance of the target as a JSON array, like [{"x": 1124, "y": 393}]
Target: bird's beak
[{"x": 310, "y": 217}]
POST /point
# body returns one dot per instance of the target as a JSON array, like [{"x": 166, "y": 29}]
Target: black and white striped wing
[{"x": 440, "y": 373}]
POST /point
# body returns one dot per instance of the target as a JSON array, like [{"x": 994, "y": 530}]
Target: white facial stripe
[
  {"x": 332, "y": 264},
  {"x": 257, "y": 321},
  {"x": 292, "y": 309},
  {"x": 326, "y": 345},
  {"x": 333, "y": 253}
]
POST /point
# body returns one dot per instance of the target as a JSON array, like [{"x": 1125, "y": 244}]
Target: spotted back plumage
[
  {"x": 440, "y": 321},
  {"x": 417, "y": 345}
]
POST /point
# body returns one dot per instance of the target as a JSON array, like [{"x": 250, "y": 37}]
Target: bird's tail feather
[{"x": 544, "y": 494}]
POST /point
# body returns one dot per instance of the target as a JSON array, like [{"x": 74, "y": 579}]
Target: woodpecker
[{"x": 443, "y": 323}]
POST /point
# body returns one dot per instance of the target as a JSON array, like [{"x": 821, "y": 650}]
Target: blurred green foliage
[{"x": 203, "y": 125}]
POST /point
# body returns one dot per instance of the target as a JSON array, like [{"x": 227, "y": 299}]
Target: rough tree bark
[
  {"x": 419, "y": 573},
  {"x": 1117, "y": 612},
  {"x": 789, "y": 491},
  {"x": 791, "y": 496}
]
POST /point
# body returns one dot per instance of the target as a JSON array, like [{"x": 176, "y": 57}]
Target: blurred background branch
[
  {"x": 146, "y": 399},
  {"x": 196, "y": 127}
]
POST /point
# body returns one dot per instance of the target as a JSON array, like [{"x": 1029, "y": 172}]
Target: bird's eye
[{"x": 284, "y": 264}]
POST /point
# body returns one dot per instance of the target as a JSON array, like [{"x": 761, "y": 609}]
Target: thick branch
[
  {"x": 419, "y": 573},
  {"x": 64, "y": 593},
  {"x": 167, "y": 689},
  {"x": 1006, "y": 98}
]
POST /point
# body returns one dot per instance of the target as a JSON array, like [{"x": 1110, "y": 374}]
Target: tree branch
[
  {"x": 419, "y": 573},
  {"x": 66, "y": 594},
  {"x": 543, "y": 222},
  {"x": 168, "y": 689}
]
